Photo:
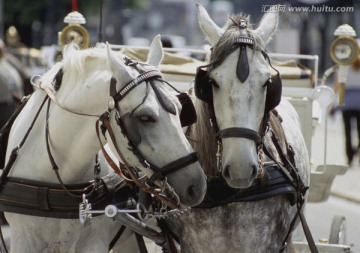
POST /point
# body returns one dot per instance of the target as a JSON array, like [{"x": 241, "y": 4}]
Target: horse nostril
[
  {"x": 254, "y": 171},
  {"x": 192, "y": 191},
  {"x": 226, "y": 172}
]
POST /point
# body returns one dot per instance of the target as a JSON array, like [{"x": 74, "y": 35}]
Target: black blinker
[{"x": 188, "y": 112}]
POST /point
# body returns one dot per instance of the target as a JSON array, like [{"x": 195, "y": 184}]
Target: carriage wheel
[{"x": 338, "y": 230}]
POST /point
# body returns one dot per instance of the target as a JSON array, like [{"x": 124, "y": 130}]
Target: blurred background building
[{"x": 136, "y": 22}]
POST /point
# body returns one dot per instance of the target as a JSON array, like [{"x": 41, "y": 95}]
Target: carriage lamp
[
  {"x": 344, "y": 50},
  {"x": 74, "y": 31}
]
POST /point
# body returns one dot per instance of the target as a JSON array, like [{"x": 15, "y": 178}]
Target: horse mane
[
  {"x": 205, "y": 137},
  {"x": 73, "y": 64},
  {"x": 74, "y": 61},
  {"x": 226, "y": 44}
]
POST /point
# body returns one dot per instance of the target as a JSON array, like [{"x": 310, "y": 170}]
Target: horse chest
[
  {"x": 245, "y": 227},
  {"x": 58, "y": 235}
]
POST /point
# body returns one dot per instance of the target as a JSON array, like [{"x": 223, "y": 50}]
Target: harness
[{"x": 37, "y": 198}]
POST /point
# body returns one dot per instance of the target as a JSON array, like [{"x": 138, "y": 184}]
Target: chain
[
  {"x": 218, "y": 155},
  {"x": 163, "y": 213},
  {"x": 86, "y": 212},
  {"x": 261, "y": 157}
]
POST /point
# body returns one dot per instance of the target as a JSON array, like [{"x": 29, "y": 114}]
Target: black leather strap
[
  {"x": 132, "y": 84},
  {"x": 50, "y": 200},
  {"x": 240, "y": 132},
  {"x": 174, "y": 166},
  {"x": 242, "y": 67},
  {"x": 116, "y": 237},
  {"x": 5, "y": 131}
]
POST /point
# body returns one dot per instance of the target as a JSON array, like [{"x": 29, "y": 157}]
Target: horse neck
[
  {"x": 72, "y": 138},
  {"x": 206, "y": 143}
]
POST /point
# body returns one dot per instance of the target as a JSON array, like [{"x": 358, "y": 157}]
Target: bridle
[
  {"x": 203, "y": 90},
  {"x": 126, "y": 123}
]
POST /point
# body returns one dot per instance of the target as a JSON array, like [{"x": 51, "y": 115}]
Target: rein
[
  {"x": 15, "y": 152},
  {"x": 293, "y": 176}
]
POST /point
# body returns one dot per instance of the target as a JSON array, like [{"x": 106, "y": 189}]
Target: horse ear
[
  {"x": 117, "y": 67},
  {"x": 268, "y": 26},
  {"x": 156, "y": 52},
  {"x": 208, "y": 26}
]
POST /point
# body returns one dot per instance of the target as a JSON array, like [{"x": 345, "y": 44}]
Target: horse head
[
  {"x": 148, "y": 115},
  {"x": 240, "y": 90}
]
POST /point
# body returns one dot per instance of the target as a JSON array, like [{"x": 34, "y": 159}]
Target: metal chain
[
  {"x": 218, "y": 155},
  {"x": 86, "y": 212},
  {"x": 164, "y": 214},
  {"x": 261, "y": 157}
]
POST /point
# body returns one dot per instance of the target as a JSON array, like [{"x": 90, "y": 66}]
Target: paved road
[
  {"x": 320, "y": 216},
  {"x": 345, "y": 191}
]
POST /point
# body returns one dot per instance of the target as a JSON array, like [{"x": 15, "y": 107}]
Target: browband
[
  {"x": 132, "y": 84},
  {"x": 244, "y": 40}
]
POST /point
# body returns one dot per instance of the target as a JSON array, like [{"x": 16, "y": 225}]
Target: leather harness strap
[
  {"x": 301, "y": 189},
  {"x": 15, "y": 151},
  {"x": 51, "y": 200}
]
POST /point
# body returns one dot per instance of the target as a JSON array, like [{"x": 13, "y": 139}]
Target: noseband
[{"x": 128, "y": 127}]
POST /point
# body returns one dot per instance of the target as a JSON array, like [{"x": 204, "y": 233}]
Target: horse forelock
[{"x": 226, "y": 44}]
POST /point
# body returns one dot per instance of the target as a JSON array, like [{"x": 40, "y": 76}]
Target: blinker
[{"x": 188, "y": 112}]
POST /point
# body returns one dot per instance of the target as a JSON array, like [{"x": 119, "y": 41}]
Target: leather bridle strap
[
  {"x": 240, "y": 132},
  {"x": 110, "y": 161},
  {"x": 174, "y": 166},
  {"x": 131, "y": 85}
]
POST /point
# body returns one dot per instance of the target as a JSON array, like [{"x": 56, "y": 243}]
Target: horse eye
[{"x": 146, "y": 118}]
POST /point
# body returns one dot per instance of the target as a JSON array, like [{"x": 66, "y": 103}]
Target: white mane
[
  {"x": 46, "y": 81},
  {"x": 75, "y": 61}
]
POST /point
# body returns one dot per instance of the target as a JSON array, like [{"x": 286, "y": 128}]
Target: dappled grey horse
[{"x": 255, "y": 157}]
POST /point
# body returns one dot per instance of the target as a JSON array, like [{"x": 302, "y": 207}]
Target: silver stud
[{"x": 111, "y": 103}]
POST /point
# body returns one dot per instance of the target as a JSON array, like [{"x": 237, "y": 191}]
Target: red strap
[{"x": 108, "y": 158}]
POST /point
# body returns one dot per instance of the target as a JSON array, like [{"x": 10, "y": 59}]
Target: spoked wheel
[{"x": 338, "y": 230}]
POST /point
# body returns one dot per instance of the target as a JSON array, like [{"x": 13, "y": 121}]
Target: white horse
[
  {"x": 235, "y": 216},
  {"x": 59, "y": 149}
]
